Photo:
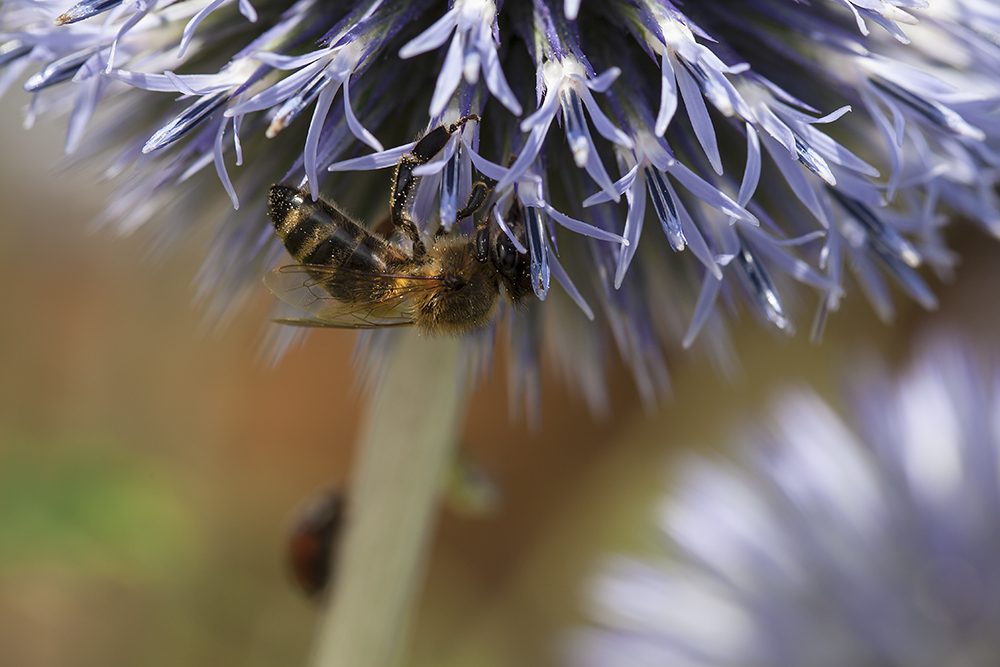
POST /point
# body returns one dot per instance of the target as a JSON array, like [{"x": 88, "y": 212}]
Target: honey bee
[{"x": 350, "y": 277}]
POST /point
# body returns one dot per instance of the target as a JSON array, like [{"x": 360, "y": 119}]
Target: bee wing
[
  {"x": 345, "y": 298},
  {"x": 340, "y": 324}
]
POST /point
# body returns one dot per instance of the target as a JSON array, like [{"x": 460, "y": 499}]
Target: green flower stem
[{"x": 405, "y": 445}]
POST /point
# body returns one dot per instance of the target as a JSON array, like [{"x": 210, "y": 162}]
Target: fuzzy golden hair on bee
[{"x": 468, "y": 294}]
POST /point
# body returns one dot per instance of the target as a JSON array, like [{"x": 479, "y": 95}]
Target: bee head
[
  {"x": 465, "y": 290},
  {"x": 514, "y": 268}
]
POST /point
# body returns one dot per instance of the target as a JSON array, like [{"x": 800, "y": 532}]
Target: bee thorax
[{"x": 468, "y": 294}]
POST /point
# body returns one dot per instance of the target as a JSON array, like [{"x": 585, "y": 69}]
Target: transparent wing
[
  {"x": 342, "y": 323},
  {"x": 347, "y": 298}
]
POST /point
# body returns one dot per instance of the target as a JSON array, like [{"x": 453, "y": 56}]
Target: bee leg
[
  {"x": 480, "y": 193},
  {"x": 477, "y": 198},
  {"x": 429, "y": 145}
]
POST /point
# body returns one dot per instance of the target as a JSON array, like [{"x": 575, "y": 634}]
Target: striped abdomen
[{"x": 316, "y": 232}]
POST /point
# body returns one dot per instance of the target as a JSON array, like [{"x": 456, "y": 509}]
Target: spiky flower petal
[{"x": 776, "y": 142}]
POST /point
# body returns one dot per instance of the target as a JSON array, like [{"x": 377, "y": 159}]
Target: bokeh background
[{"x": 149, "y": 469}]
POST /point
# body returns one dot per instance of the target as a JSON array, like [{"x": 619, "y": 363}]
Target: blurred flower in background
[
  {"x": 776, "y": 143},
  {"x": 876, "y": 543}
]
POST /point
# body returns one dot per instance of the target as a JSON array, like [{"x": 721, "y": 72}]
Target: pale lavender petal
[
  {"x": 909, "y": 279},
  {"x": 583, "y": 228},
  {"x": 873, "y": 285},
  {"x": 487, "y": 168},
  {"x": 237, "y": 123},
  {"x": 281, "y": 61},
  {"x": 597, "y": 171},
  {"x": 357, "y": 129},
  {"x": 836, "y": 152},
  {"x": 448, "y": 77},
  {"x": 571, "y": 8},
  {"x": 380, "y": 160},
  {"x": 801, "y": 240},
  {"x": 279, "y": 92},
  {"x": 543, "y": 115},
  {"x": 86, "y": 101},
  {"x": 604, "y": 126},
  {"x": 709, "y": 194},
  {"x": 563, "y": 279},
  {"x": 792, "y": 172},
  {"x": 220, "y": 165},
  {"x": 528, "y": 153},
  {"x": 751, "y": 175},
  {"x": 496, "y": 82},
  {"x": 601, "y": 83},
  {"x": 694, "y": 103},
  {"x": 704, "y": 308},
  {"x": 200, "y": 84},
  {"x": 776, "y": 127},
  {"x": 788, "y": 263},
  {"x": 791, "y": 114},
  {"x": 860, "y": 188},
  {"x": 506, "y": 229},
  {"x": 935, "y": 112},
  {"x": 144, "y": 9},
  {"x": 433, "y": 37},
  {"x": 12, "y": 72},
  {"x": 893, "y": 134},
  {"x": 323, "y": 103},
  {"x": 668, "y": 95},
  {"x": 862, "y": 26},
  {"x": 621, "y": 186},
  {"x": 636, "y": 198},
  {"x": 179, "y": 83},
  {"x": 657, "y": 152},
  {"x": 192, "y": 25},
  {"x": 695, "y": 240},
  {"x": 248, "y": 11}
]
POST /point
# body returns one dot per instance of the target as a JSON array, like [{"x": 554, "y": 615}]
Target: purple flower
[
  {"x": 872, "y": 541},
  {"x": 777, "y": 143},
  {"x": 473, "y": 47}
]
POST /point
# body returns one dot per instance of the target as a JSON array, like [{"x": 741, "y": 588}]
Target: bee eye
[{"x": 506, "y": 254}]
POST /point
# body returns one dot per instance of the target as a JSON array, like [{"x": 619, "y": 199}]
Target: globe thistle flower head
[
  {"x": 868, "y": 542},
  {"x": 776, "y": 143}
]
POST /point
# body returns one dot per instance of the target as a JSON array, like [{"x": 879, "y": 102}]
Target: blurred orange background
[{"x": 148, "y": 471}]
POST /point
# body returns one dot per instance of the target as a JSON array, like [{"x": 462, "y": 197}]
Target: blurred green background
[{"x": 148, "y": 471}]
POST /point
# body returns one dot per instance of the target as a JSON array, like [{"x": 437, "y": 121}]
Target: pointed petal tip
[{"x": 910, "y": 256}]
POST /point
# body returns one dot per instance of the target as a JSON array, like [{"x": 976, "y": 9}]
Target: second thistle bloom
[{"x": 868, "y": 541}]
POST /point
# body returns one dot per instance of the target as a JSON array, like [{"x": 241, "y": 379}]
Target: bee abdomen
[{"x": 315, "y": 232}]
